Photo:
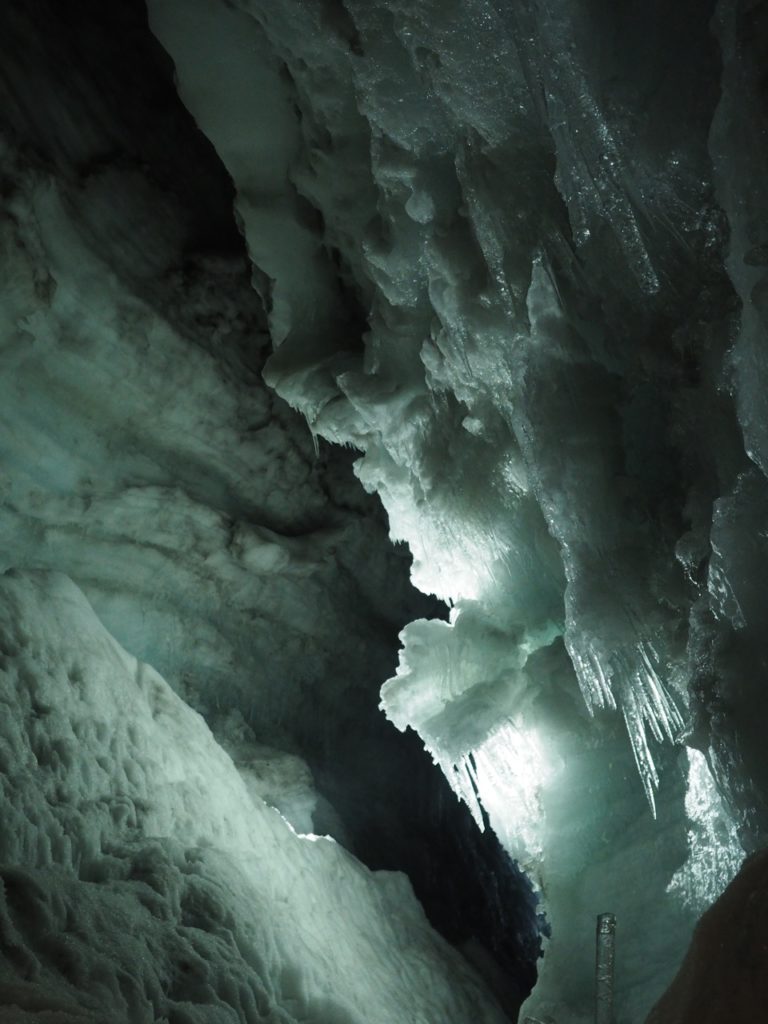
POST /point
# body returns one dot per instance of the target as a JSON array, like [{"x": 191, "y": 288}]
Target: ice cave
[{"x": 384, "y": 512}]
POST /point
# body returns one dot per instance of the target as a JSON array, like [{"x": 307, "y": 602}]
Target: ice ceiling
[{"x": 506, "y": 265}]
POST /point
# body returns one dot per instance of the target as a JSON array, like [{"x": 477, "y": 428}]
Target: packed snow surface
[{"x": 143, "y": 879}]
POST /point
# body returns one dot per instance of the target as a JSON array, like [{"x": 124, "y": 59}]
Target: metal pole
[{"x": 604, "y": 965}]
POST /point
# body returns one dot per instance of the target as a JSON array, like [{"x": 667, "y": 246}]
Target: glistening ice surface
[{"x": 546, "y": 215}]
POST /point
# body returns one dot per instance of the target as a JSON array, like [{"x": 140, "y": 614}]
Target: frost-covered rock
[{"x": 144, "y": 880}]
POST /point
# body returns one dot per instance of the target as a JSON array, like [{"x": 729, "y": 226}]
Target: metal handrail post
[{"x": 605, "y": 958}]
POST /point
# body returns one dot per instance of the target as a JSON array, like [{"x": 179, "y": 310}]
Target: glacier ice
[
  {"x": 440, "y": 305},
  {"x": 543, "y": 213}
]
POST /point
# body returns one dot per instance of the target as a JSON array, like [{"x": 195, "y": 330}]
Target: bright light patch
[
  {"x": 511, "y": 771},
  {"x": 453, "y": 566},
  {"x": 452, "y": 561},
  {"x": 506, "y": 775}
]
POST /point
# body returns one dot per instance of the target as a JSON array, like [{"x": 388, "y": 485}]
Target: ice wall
[
  {"x": 549, "y": 214},
  {"x": 142, "y": 455}
]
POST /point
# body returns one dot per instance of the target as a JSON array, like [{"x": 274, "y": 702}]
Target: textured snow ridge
[{"x": 143, "y": 881}]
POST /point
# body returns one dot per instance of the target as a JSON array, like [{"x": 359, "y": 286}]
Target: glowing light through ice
[{"x": 506, "y": 776}]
